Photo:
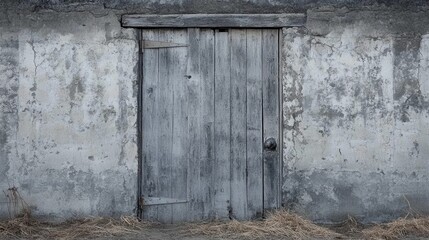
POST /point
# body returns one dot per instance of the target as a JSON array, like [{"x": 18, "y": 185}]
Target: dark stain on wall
[
  {"x": 406, "y": 60},
  {"x": 333, "y": 199},
  {"x": 76, "y": 88},
  {"x": 9, "y": 86},
  {"x": 407, "y": 90}
]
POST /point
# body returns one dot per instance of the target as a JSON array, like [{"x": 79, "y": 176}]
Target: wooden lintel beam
[{"x": 214, "y": 20}]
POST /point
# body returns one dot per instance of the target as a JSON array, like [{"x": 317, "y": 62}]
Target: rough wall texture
[
  {"x": 68, "y": 113},
  {"x": 356, "y": 102},
  {"x": 356, "y": 115},
  {"x": 206, "y": 6}
]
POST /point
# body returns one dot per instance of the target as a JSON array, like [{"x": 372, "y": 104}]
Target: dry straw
[
  {"x": 279, "y": 224},
  {"x": 22, "y": 225},
  {"x": 407, "y": 226},
  {"x": 282, "y": 223},
  {"x": 413, "y": 224},
  {"x": 16, "y": 205}
]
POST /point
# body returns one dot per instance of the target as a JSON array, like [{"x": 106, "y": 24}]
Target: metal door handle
[{"x": 270, "y": 144}]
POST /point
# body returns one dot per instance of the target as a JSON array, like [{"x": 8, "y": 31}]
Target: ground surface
[
  {"x": 170, "y": 232},
  {"x": 126, "y": 229},
  {"x": 164, "y": 232}
]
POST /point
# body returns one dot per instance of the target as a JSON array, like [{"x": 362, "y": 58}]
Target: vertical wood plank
[
  {"x": 150, "y": 184},
  {"x": 165, "y": 127},
  {"x": 207, "y": 180},
  {"x": 177, "y": 61},
  {"x": 254, "y": 123},
  {"x": 222, "y": 125},
  {"x": 270, "y": 81},
  {"x": 238, "y": 123},
  {"x": 194, "y": 95}
]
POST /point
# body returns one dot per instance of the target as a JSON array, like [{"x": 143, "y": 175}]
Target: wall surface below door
[{"x": 355, "y": 101}]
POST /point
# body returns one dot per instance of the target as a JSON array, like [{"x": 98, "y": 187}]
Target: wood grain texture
[
  {"x": 180, "y": 142},
  {"x": 270, "y": 82},
  {"x": 158, "y": 44},
  {"x": 254, "y": 123},
  {"x": 207, "y": 154},
  {"x": 150, "y": 185},
  {"x": 222, "y": 128},
  {"x": 214, "y": 20},
  {"x": 193, "y": 91},
  {"x": 238, "y": 123},
  {"x": 164, "y": 140},
  {"x": 206, "y": 111}
]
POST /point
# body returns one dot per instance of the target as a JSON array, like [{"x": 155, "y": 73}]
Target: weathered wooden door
[{"x": 210, "y": 123}]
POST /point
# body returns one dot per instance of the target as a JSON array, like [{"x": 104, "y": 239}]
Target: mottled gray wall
[
  {"x": 355, "y": 101},
  {"x": 356, "y": 115},
  {"x": 206, "y": 6},
  {"x": 68, "y": 113}
]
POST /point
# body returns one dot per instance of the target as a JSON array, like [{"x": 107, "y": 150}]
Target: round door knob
[{"x": 270, "y": 144}]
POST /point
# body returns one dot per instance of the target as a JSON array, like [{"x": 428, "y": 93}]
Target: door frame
[{"x": 141, "y": 21}]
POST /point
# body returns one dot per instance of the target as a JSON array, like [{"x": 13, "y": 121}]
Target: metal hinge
[
  {"x": 158, "y": 44},
  {"x": 147, "y": 201}
]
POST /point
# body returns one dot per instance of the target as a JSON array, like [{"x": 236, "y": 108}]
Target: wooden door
[{"x": 210, "y": 123}]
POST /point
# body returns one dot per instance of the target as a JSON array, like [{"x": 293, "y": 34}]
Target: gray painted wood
[
  {"x": 150, "y": 119},
  {"x": 193, "y": 91},
  {"x": 164, "y": 103},
  {"x": 238, "y": 123},
  {"x": 222, "y": 128},
  {"x": 204, "y": 120},
  {"x": 180, "y": 138},
  {"x": 270, "y": 81},
  {"x": 150, "y": 201},
  {"x": 254, "y": 123},
  {"x": 215, "y": 20},
  {"x": 158, "y": 44},
  {"x": 207, "y": 154}
]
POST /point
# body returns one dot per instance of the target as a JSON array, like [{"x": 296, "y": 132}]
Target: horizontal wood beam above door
[{"x": 214, "y": 20}]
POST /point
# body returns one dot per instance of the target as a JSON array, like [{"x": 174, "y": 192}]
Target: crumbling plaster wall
[
  {"x": 355, "y": 96},
  {"x": 356, "y": 114},
  {"x": 68, "y": 113}
]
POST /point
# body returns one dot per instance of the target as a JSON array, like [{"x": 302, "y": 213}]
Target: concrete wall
[
  {"x": 68, "y": 113},
  {"x": 356, "y": 115},
  {"x": 205, "y": 6},
  {"x": 356, "y": 105}
]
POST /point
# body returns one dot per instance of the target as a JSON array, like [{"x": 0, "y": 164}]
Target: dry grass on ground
[
  {"x": 22, "y": 225},
  {"x": 402, "y": 227},
  {"x": 281, "y": 223},
  {"x": 26, "y": 227}
]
